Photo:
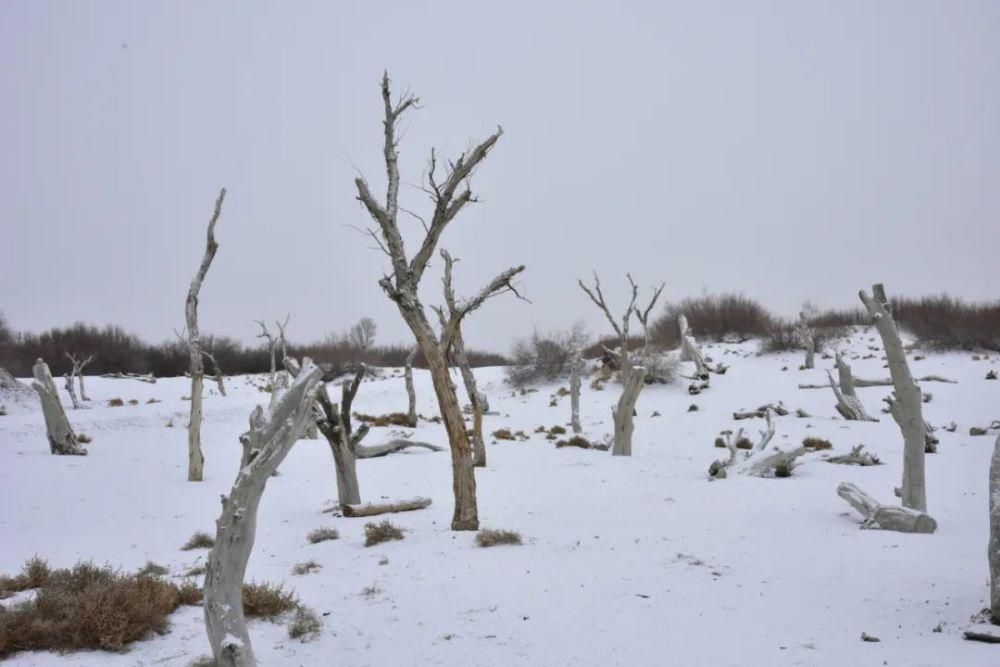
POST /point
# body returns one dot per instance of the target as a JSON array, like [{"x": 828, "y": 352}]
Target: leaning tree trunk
[
  {"x": 478, "y": 444},
  {"x": 62, "y": 439},
  {"x": 848, "y": 404},
  {"x": 336, "y": 428},
  {"x": 690, "y": 350},
  {"x": 906, "y": 407},
  {"x": 468, "y": 377},
  {"x": 574, "y": 393},
  {"x": 196, "y": 460},
  {"x": 885, "y": 517},
  {"x": 411, "y": 392},
  {"x": 625, "y": 411},
  {"x": 71, "y": 390},
  {"x": 993, "y": 550},
  {"x": 268, "y": 442}
]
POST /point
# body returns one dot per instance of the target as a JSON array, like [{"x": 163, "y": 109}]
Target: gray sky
[{"x": 787, "y": 150}]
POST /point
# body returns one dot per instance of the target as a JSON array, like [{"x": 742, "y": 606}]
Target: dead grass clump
[
  {"x": 390, "y": 419},
  {"x": 152, "y": 569},
  {"x": 719, "y": 442},
  {"x": 83, "y": 438},
  {"x": 322, "y": 535},
  {"x": 196, "y": 571},
  {"x": 200, "y": 540},
  {"x": 267, "y": 600},
  {"x": 557, "y": 430},
  {"x": 491, "y": 538},
  {"x": 575, "y": 441},
  {"x": 384, "y": 531},
  {"x": 305, "y": 624},
  {"x": 116, "y": 403},
  {"x": 815, "y": 444},
  {"x": 306, "y": 567},
  {"x": 503, "y": 434},
  {"x": 189, "y": 594},
  {"x": 34, "y": 573},
  {"x": 744, "y": 443},
  {"x": 88, "y": 607}
]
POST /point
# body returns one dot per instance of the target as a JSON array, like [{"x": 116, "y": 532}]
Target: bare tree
[
  {"x": 276, "y": 343},
  {"x": 62, "y": 439},
  {"x": 575, "y": 371},
  {"x": 335, "y": 425},
  {"x": 362, "y": 335},
  {"x": 265, "y": 446},
  {"x": 848, "y": 404},
  {"x": 78, "y": 366},
  {"x": 411, "y": 392},
  {"x": 756, "y": 461},
  {"x": 993, "y": 548},
  {"x": 196, "y": 460},
  {"x": 448, "y": 196},
  {"x": 632, "y": 377},
  {"x": 807, "y": 338},
  {"x": 71, "y": 390}
]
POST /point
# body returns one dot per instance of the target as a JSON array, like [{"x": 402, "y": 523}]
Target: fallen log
[
  {"x": 861, "y": 382},
  {"x": 363, "y": 452},
  {"x": 130, "y": 376},
  {"x": 761, "y": 412},
  {"x": 885, "y": 517},
  {"x": 857, "y": 457},
  {"x": 372, "y": 509}
]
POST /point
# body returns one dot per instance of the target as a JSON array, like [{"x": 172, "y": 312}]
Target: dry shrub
[
  {"x": 944, "y": 322},
  {"x": 719, "y": 442},
  {"x": 712, "y": 316},
  {"x": 575, "y": 441},
  {"x": 744, "y": 443},
  {"x": 116, "y": 403},
  {"x": 384, "y": 531},
  {"x": 152, "y": 569},
  {"x": 34, "y": 574},
  {"x": 305, "y": 624},
  {"x": 557, "y": 430},
  {"x": 390, "y": 419},
  {"x": 815, "y": 444},
  {"x": 267, "y": 600},
  {"x": 545, "y": 357},
  {"x": 83, "y": 438},
  {"x": 200, "y": 540},
  {"x": 322, "y": 535},
  {"x": 491, "y": 538},
  {"x": 306, "y": 567},
  {"x": 88, "y": 607},
  {"x": 503, "y": 434}
]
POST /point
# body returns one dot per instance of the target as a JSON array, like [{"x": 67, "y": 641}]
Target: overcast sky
[{"x": 786, "y": 150}]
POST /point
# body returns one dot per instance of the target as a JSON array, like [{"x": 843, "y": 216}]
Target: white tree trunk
[
  {"x": 885, "y": 517},
  {"x": 993, "y": 547},
  {"x": 71, "y": 390},
  {"x": 690, "y": 350},
  {"x": 344, "y": 442},
  {"x": 397, "y": 445},
  {"x": 196, "y": 460},
  {"x": 371, "y": 509},
  {"x": 411, "y": 392},
  {"x": 268, "y": 442},
  {"x": 624, "y": 413},
  {"x": 62, "y": 439},
  {"x": 848, "y": 404},
  {"x": 574, "y": 393},
  {"x": 906, "y": 406},
  {"x": 807, "y": 337}
]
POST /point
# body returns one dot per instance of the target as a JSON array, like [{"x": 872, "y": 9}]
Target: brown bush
[
  {"x": 815, "y": 444},
  {"x": 390, "y": 419},
  {"x": 116, "y": 403},
  {"x": 322, "y": 535},
  {"x": 34, "y": 573},
  {"x": 503, "y": 434},
  {"x": 557, "y": 430},
  {"x": 267, "y": 600},
  {"x": 305, "y": 624},
  {"x": 200, "y": 540},
  {"x": 490, "y": 538},
  {"x": 575, "y": 441},
  {"x": 152, "y": 569},
  {"x": 384, "y": 531},
  {"x": 544, "y": 357},
  {"x": 712, "y": 316},
  {"x": 306, "y": 567}
]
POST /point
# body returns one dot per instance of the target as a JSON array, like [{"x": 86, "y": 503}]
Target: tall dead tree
[
  {"x": 265, "y": 446},
  {"x": 411, "y": 392},
  {"x": 575, "y": 371},
  {"x": 807, "y": 338},
  {"x": 71, "y": 390},
  {"x": 632, "y": 377},
  {"x": 335, "y": 425},
  {"x": 62, "y": 439},
  {"x": 276, "y": 343},
  {"x": 993, "y": 547},
  {"x": 196, "y": 460},
  {"x": 448, "y": 196},
  {"x": 77, "y": 372}
]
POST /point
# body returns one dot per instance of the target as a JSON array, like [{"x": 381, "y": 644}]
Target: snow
[{"x": 633, "y": 561}]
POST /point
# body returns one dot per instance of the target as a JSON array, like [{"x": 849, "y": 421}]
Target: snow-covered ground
[{"x": 626, "y": 561}]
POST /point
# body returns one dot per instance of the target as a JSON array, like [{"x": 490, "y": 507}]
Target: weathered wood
[
  {"x": 993, "y": 546},
  {"x": 335, "y": 425},
  {"x": 906, "y": 407},
  {"x": 887, "y": 382},
  {"x": 807, "y": 338},
  {"x": 62, "y": 439},
  {"x": 71, "y": 390},
  {"x": 756, "y": 461},
  {"x": 196, "y": 460},
  {"x": 762, "y": 412},
  {"x": 691, "y": 352},
  {"x": 623, "y": 413},
  {"x": 149, "y": 379},
  {"x": 373, "y": 509},
  {"x": 411, "y": 392},
  {"x": 848, "y": 404},
  {"x": 885, "y": 517},
  {"x": 576, "y": 368},
  {"x": 77, "y": 372},
  {"x": 983, "y": 632},
  {"x": 268, "y": 441},
  {"x": 857, "y": 457},
  {"x": 398, "y": 445}
]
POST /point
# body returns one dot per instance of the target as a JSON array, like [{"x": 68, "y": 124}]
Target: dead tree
[
  {"x": 391, "y": 447},
  {"x": 275, "y": 342},
  {"x": 362, "y": 335},
  {"x": 78, "y": 366},
  {"x": 335, "y": 425},
  {"x": 632, "y": 376},
  {"x": 575, "y": 371},
  {"x": 755, "y": 460},
  {"x": 857, "y": 457},
  {"x": 448, "y": 196},
  {"x": 807, "y": 338},
  {"x": 196, "y": 460},
  {"x": 218, "y": 378},
  {"x": 265, "y": 446},
  {"x": 71, "y": 390},
  {"x": 411, "y": 392},
  {"x": 374, "y": 509},
  {"x": 993, "y": 547},
  {"x": 691, "y": 352},
  {"x": 885, "y": 517},
  {"x": 848, "y": 404},
  {"x": 905, "y": 405},
  {"x": 62, "y": 439}
]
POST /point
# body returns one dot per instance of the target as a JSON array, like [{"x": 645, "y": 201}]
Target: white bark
[
  {"x": 62, "y": 439},
  {"x": 411, "y": 392},
  {"x": 757, "y": 461},
  {"x": 807, "y": 337},
  {"x": 993, "y": 547},
  {"x": 857, "y": 457},
  {"x": 148, "y": 378},
  {"x": 906, "y": 405},
  {"x": 78, "y": 366},
  {"x": 370, "y": 509},
  {"x": 71, "y": 390},
  {"x": 196, "y": 460},
  {"x": 624, "y": 412},
  {"x": 336, "y": 427},
  {"x": 848, "y": 404},
  {"x": 691, "y": 352},
  {"x": 885, "y": 517},
  {"x": 397, "y": 445},
  {"x": 576, "y": 367},
  {"x": 268, "y": 441}
]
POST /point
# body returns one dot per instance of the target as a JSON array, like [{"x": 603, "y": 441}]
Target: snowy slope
[{"x": 630, "y": 561}]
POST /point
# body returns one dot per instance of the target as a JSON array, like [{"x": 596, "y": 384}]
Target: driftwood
[
  {"x": 372, "y": 509},
  {"x": 62, "y": 439},
  {"x": 983, "y": 632},
  {"x": 848, "y": 404},
  {"x": 885, "y": 517},
  {"x": 691, "y": 352},
  {"x": 857, "y": 457},
  {"x": 861, "y": 382},
  {"x": 762, "y": 412},
  {"x": 265, "y": 446},
  {"x": 149, "y": 379},
  {"x": 398, "y": 445},
  {"x": 755, "y": 462}
]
